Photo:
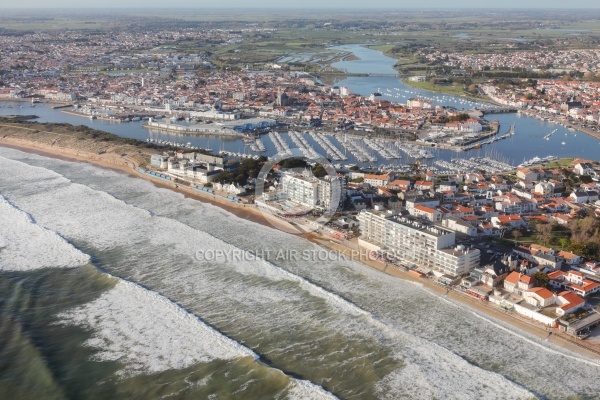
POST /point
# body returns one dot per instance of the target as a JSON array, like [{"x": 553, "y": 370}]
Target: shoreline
[
  {"x": 249, "y": 212},
  {"x": 558, "y": 121},
  {"x": 122, "y": 164}
]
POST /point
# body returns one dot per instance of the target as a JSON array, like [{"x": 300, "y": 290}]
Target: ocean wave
[
  {"x": 26, "y": 246},
  {"x": 301, "y": 389},
  {"x": 148, "y": 333}
]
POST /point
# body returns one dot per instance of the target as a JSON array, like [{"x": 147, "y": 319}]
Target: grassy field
[
  {"x": 454, "y": 90},
  {"x": 562, "y": 163}
]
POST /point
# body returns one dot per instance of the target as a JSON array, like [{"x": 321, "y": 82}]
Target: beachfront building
[
  {"x": 159, "y": 160},
  {"x": 518, "y": 283},
  {"x": 192, "y": 167},
  {"x": 311, "y": 191},
  {"x": 573, "y": 281},
  {"x": 190, "y": 170},
  {"x": 300, "y": 189},
  {"x": 418, "y": 242}
]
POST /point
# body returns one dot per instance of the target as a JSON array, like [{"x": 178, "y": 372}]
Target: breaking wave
[{"x": 26, "y": 246}]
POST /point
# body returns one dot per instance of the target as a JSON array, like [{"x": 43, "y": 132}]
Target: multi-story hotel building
[{"x": 418, "y": 241}]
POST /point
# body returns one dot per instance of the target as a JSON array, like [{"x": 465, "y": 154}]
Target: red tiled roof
[
  {"x": 425, "y": 209},
  {"x": 515, "y": 277},
  {"x": 542, "y": 292},
  {"x": 572, "y": 300}
]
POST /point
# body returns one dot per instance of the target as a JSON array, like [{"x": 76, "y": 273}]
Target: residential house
[
  {"x": 459, "y": 225},
  {"x": 547, "y": 190},
  {"x": 584, "y": 169},
  {"x": 568, "y": 302},
  {"x": 528, "y": 174},
  {"x": 426, "y": 212},
  {"x": 557, "y": 205},
  {"x": 511, "y": 221},
  {"x": 543, "y": 259},
  {"x": 412, "y": 201},
  {"x": 493, "y": 275},
  {"x": 539, "y": 297},
  {"x": 518, "y": 283},
  {"x": 569, "y": 258},
  {"x": 424, "y": 186},
  {"x": 378, "y": 180},
  {"x": 447, "y": 186},
  {"x": 399, "y": 184},
  {"x": 573, "y": 281},
  {"x": 430, "y": 176},
  {"x": 487, "y": 229},
  {"x": 580, "y": 197}
]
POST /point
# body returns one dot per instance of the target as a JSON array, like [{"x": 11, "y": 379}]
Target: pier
[
  {"x": 499, "y": 110},
  {"x": 56, "y": 107},
  {"x": 192, "y": 129},
  {"x": 331, "y": 150},
  {"x": 306, "y": 149}
]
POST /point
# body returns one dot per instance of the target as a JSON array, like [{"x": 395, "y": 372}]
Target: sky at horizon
[{"x": 373, "y": 4}]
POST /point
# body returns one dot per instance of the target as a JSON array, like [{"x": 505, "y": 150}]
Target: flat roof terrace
[{"x": 422, "y": 226}]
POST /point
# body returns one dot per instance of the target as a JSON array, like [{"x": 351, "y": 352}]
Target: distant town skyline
[{"x": 507, "y": 4}]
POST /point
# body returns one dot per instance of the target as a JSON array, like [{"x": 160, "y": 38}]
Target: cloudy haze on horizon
[{"x": 295, "y": 4}]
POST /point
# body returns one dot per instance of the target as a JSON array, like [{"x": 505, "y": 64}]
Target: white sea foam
[
  {"x": 301, "y": 390},
  {"x": 148, "y": 333},
  {"x": 25, "y": 245}
]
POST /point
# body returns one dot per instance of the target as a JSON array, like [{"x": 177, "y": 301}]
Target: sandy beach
[{"x": 493, "y": 314}]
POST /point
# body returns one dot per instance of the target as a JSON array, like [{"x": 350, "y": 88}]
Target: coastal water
[
  {"x": 369, "y": 61},
  {"x": 107, "y": 290}
]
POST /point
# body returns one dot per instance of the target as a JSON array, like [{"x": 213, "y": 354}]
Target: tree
[
  {"x": 541, "y": 279},
  {"x": 319, "y": 171},
  {"x": 293, "y": 163},
  {"x": 516, "y": 234},
  {"x": 544, "y": 232}
]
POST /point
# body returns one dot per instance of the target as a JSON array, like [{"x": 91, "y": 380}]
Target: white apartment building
[
  {"x": 419, "y": 242},
  {"x": 187, "y": 169},
  {"x": 300, "y": 189},
  {"x": 311, "y": 191}
]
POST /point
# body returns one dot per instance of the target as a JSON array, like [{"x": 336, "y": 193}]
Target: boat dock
[
  {"x": 331, "y": 150},
  {"x": 385, "y": 152},
  {"x": 306, "y": 149},
  {"x": 280, "y": 144},
  {"x": 356, "y": 148}
]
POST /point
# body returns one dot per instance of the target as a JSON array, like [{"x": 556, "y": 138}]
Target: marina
[
  {"x": 331, "y": 150},
  {"x": 281, "y": 145},
  {"x": 306, "y": 149},
  {"x": 414, "y": 151},
  {"x": 358, "y": 150},
  {"x": 258, "y": 146},
  {"x": 385, "y": 152}
]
